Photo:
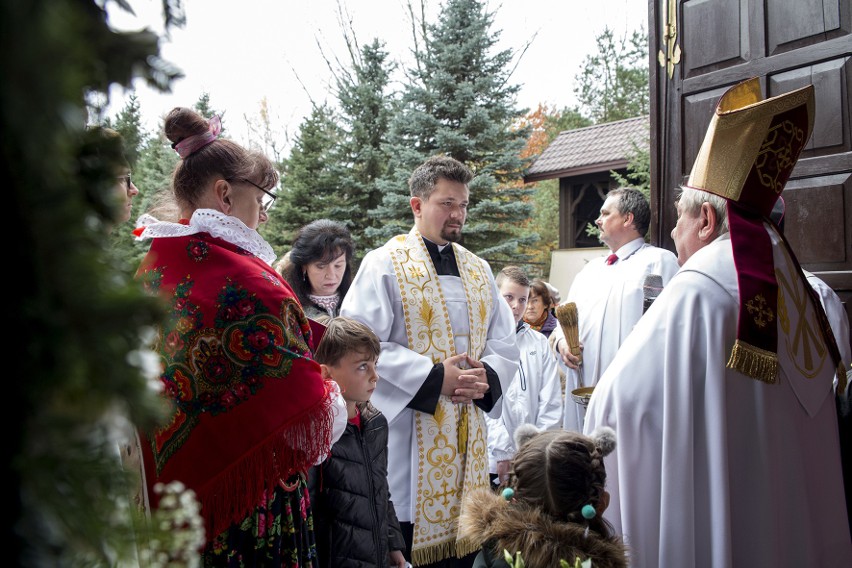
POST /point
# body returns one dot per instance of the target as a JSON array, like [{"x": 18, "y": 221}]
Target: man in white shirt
[{"x": 608, "y": 293}]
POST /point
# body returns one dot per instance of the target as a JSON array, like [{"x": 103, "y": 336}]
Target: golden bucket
[{"x": 582, "y": 395}]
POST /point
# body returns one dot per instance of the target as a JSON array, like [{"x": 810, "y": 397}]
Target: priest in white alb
[
  {"x": 723, "y": 396},
  {"x": 448, "y": 354}
]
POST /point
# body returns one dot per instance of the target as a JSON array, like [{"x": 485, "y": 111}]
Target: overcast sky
[{"x": 242, "y": 51}]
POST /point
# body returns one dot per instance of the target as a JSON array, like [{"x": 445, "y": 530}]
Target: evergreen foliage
[
  {"x": 338, "y": 155},
  {"x": 366, "y": 110},
  {"x": 128, "y": 123},
  {"x": 638, "y": 169},
  {"x": 311, "y": 180},
  {"x": 458, "y": 101},
  {"x": 80, "y": 319},
  {"x": 614, "y": 82}
]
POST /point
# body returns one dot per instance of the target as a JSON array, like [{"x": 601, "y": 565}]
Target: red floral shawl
[{"x": 249, "y": 404}]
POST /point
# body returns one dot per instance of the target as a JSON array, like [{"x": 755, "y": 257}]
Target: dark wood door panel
[
  {"x": 698, "y": 109},
  {"x": 815, "y": 222},
  {"x": 834, "y": 49},
  {"x": 712, "y": 34},
  {"x": 793, "y": 25},
  {"x": 788, "y": 44},
  {"x": 832, "y": 131}
]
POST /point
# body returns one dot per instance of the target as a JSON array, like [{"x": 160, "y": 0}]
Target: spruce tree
[
  {"x": 458, "y": 101},
  {"x": 613, "y": 83},
  {"x": 204, "y": 107},
  {"x": 365, "y": 112},
  {"x": 310, "y": 186},
  {"x": 128, "y": 123}
]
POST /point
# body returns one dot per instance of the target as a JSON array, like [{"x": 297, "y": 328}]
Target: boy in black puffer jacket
[{"x": 354, "y": 519}]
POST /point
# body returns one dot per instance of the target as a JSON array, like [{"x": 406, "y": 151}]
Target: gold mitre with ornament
[
  {"x": 752, "y": 145},
  {"x": 747, "y": 156}
]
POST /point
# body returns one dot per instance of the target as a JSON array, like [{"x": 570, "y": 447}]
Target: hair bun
[
  {"x": 524, "y": 433},
  {"x": 604, "y": 438}
]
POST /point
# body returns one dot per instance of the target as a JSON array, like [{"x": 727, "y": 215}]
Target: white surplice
[
  {"x": 713, "y": 468},
  {"x": 374, "y": 299},
  {"x": 534, "y": 396},
  {"x": 609, "y": 301}
]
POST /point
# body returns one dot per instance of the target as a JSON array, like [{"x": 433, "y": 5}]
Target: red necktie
[{"x": 611, "y": 258}]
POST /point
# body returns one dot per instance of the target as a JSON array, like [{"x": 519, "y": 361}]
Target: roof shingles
[{"x": 573, "y": 152}]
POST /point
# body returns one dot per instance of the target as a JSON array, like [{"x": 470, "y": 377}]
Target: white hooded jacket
[{"x": 534, "y": 396}]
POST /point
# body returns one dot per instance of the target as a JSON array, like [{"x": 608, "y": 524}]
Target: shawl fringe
[
  {"x": 754, "y": 362},
  {"x": 231, "y": 496}
]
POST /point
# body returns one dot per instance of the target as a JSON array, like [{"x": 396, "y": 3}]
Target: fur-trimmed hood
[{"x": 488, "y": 519}]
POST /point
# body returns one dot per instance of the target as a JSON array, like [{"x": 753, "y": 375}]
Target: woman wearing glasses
[
  {"x": 319, "y": 267},
  {"x": 106, "y": 145},
  {"x": 125, "y": 191},
  {"x": 539, "y": 312},
  {"x": 251, "y": 412}
]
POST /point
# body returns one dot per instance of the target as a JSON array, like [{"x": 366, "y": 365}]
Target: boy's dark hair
[
  {"x": 514, "y": 274},
  {"x": 561, "y": 471},
  {"x": 346, "y": 335}
]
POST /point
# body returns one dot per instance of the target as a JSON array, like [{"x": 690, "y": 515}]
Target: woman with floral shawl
[{"x": 250, "y": 412}]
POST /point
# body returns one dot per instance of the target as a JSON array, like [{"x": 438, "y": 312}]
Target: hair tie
[
  {"x": 192, "y": 144},
  {"x": 508, "y": 493},
  {"x": 588, "y": 512}
]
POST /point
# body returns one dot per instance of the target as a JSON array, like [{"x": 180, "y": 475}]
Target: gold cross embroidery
[
  {"x": 415, "y": 272},
  {"x": 761, "y": 314}
]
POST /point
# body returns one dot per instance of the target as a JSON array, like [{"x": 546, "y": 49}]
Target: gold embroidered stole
[{"x": 451, "y": 444}]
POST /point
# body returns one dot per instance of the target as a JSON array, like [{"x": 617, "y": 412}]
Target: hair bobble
[
  {"x": 508, "y": 493},
  {"x": 192, "y": 144},
  {"x": 588, "y": 512},
  {"x": 604, "y": 438}
]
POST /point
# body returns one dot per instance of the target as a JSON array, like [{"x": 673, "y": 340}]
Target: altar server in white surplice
[
  {"x": 722, "y": 396},
  {"x": 448, "y": 354},
  {"x": 608, "y": 293},
  {"x": 535, "y": 394}
]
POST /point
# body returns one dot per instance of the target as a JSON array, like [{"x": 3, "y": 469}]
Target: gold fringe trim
[
  {"x": 754, "y": 362},
  {"x": 434, "y": 553},
  {"x": 437, "y": 552},
  {"x": 465, "y": 546}
]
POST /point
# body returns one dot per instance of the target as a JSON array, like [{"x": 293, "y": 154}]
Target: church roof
[{"x": 592, "y": 149}]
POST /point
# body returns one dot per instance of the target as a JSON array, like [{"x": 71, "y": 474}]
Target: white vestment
[
  {"x": 609, "y": 301},
  {"x": 833, "y": 306},
  {"x": 534, "y": 397},
  {"x": 713, "y": 468},
  {"x": 374, "y": 298}
]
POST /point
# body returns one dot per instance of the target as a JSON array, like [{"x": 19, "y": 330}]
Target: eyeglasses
[
  {"x": 267, "y": 200},
  {"x": 126, "y": 179}
]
